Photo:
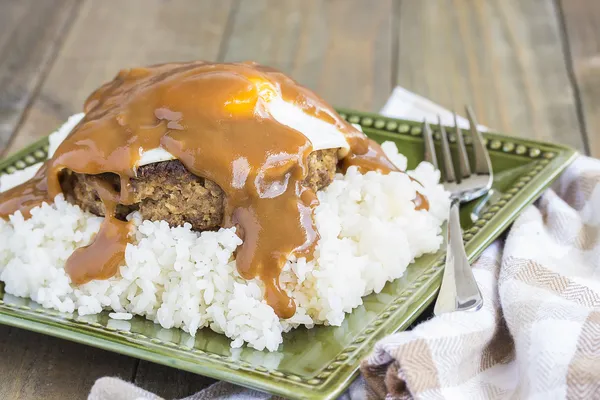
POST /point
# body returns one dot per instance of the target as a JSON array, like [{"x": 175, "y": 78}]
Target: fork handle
[{"x": 459, "y": 290}]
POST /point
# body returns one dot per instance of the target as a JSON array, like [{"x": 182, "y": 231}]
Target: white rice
[
  {"x": 370, "y": 232},
  {"x": 120, "y": 315}
]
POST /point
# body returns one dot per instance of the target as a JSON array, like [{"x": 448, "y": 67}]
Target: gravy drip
[
  {"x": 214, "y": 119},
  {"x": 27, "y": 195},
  {"x": 101, "y": 258}
]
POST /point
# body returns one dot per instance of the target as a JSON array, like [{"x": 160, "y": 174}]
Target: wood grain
[
  {"x": 505, "y": 58},
  {"x": 582, "y": 23},
  {"x": 30, "y": 35},
  {"x": 110, "y": 35},
  {"x": 36, "y": 366},
  {"x": 339, "y": 48}
]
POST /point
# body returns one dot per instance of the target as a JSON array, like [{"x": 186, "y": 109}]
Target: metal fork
[{"x": 459, "y": 290}]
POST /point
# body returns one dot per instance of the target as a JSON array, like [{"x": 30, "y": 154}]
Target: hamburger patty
[{"x": 168, "y": 191}]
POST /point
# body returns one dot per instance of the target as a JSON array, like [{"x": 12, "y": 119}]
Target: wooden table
[{"x": 528, "y": 67}]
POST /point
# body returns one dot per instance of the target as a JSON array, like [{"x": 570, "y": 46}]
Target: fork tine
[
  {"x": 446, "y": 155},
  {"x": 429, "y": 145},
  {"x": 483, "y": 164},
  {"x": 463, "y": 158}
]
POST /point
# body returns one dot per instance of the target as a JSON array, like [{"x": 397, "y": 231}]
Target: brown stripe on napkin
[
  {"x": 587, "y": 238},
  {"x": 583, "y": 377},
  {"x": 579, "y": 190},
  {"x": 500, "y": 350},
  {"x": 417, "y": 364},
  {"x": 376, "y": 380},
  {"x": 537, "y": 275}
]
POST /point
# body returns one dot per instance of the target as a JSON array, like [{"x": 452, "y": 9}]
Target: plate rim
[{"x": 548, "y": 159}]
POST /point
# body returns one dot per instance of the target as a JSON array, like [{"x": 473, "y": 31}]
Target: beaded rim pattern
[{"x": 541, "y": 155}]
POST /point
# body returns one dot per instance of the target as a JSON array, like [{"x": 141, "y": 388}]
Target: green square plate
[{"x": 320, "y": 362}]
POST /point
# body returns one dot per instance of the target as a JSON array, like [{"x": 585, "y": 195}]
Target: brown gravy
[{"x": 213, "y": 118}]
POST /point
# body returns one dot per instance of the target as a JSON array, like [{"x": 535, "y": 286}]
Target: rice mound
[{"x": 370, "y": 232}]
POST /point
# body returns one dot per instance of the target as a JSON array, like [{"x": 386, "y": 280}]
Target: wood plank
[
  {"x": 110, "y": 35},
  {"x": 341, "y": 49},
  {"x": 30, "y": 35},
  {"x": 35, "y": 366},
  {"x": 505, "y": 58},
  {"x": 582, "y": 22},
  {"x": 106, "y": 37}
]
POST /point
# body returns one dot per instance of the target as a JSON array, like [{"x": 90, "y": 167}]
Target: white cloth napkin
[{"x": 538, "y": 334}]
